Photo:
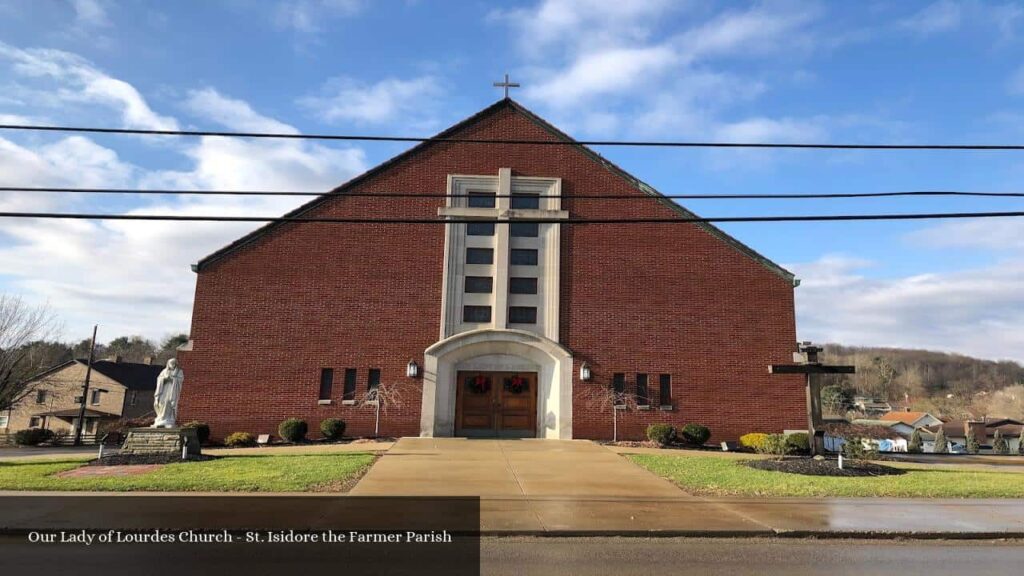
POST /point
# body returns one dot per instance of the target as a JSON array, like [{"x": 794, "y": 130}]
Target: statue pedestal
[{"x": 161, "y": 441}]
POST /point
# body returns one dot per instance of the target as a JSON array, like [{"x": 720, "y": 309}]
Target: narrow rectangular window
[
  {"x": 522, "y": 285},
  {"x": 642, "y": 396},
  {"x": 618, "y": 386},
  {"x": 480, "y": 255},
  {"x": 525, "y": 202},
  {"x": 665, "y": 390},
  {"x": 523, "y": 257},
  {"x": 522, "y": 315},
  {"x": 326, "y": 383},
  {"x": 133, "y": 397},
  {"x": 3, "y": 420},
  {"x": 523, "y": 229},
  {"x": 373, "y": 379},
  {"x": 34, "y": 422},
  {"x": 480, "y": 229},
  {"x": 480, "y": 200},
  {"x": 350, "y": 384},
  {"x": 95, "y": 397},
  {"x": 40, "y": 396},
  {"x": 479, "y": 284},
  {"x": 476, "y": 313}
]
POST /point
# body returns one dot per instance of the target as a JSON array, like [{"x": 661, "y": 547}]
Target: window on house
[
  {"x": 480, "y": 200},
  {"x": 618, "y": 386},
  {"x": 476, "y": 313},
  {"x": 524, "y": 229},
  {"x": 94, "y": 396},
  {"x": 523, "y": 257},
  {"x": 642, "y": 396},
  {"x": 665, "y": 390},
  {"x": 522, "y": 315},
  {"x": 480, "y": 229},
  {"x": 40, "y": 396},
  {"x": 326, "y": 383},
  {"x": 34, "y": 422},
  {"x": 522, "y": 285},
  {"x": 480, "y": 255},
  {"x": 3, "y": 420},
  {"x": 479, "y": 284},
  {"x": 373, "y": 380},
  {"x": 90, "y": 425},
  {"x": 133, "y": 397},
  {"x": 525, "y": 201},
  {"x": 350, "y": 384}
]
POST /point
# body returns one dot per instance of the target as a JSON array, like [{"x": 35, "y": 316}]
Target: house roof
[
  {"x": 1007, "y": 426},
  {"x": 905, "y": 417},
  {"x": 73, "y": 413},
  {"x": 131, "y": 375},
  {"x": 876, "y": 422},
  {"x": 450, "y": 132}
]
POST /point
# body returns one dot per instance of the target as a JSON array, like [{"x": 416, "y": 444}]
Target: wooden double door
[{"x": 496, "y": 404}]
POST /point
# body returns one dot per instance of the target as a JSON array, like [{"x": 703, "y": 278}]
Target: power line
[
  {"x": 566, "y": 197},
  {"x": 635, "y": 143},
  {"x": 681, "y": 220}
]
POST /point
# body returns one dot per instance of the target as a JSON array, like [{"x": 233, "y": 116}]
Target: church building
[{"x": 497, "y": 319}]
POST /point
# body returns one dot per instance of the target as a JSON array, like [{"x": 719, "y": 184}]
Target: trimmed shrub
[
  {"x": 202, "y": 430},
  {"x": 940, "y": 446},
  {"x": 774, "y": 445},
  {"x": 999, "y": 444},
  {"x": 695, "y": 434},
  {"x": 914, "y": 447},
  {"x": 972, "y": 443},
  {"x": 240, "y": 440},
  {"x": 798, "y": 442},
  {"x": 753, "y": 440},
  {"x": 663, "y": 434},
  {"x": 332, "y": 428},
  {"x": 853, "y": 448},
  {"x": 32, "y": 436},
  {"x": 293, "y": 430}
]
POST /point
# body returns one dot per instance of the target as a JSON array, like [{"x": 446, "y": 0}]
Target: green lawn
[
  {"x": 257, "y": 473},
  {"x": 728, "y": 477}
]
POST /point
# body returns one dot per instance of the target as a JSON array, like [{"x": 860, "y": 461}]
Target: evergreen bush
[
  {"x": 695, "y": 434},
  {"x": 663, "y": 434},
  {"x": 972, "y": 442},
  {"x": 332, "y": 428},
  {"x": 798, "y": 442},
  {"x": 940, "y": 446},
  {"x": 775, "y": 445},
  {"x": 32, "y": 436},
  {"x": 914, "y": 447},
  {"x": 999, "y": 444},
  {"x": 293, "y": 430},
  {"x": 240, "y": 440}
]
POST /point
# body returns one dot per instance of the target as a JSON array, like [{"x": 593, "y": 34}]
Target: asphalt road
[{"x": 524, "y": 556}]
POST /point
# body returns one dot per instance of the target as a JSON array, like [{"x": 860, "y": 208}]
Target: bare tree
[
  {"x": 602, "y": 398},
  {"x": 20, "y": 325},
  {"x": 383, "y": 397}
]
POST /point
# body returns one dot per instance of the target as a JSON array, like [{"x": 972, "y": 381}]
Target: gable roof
[
  {"x": 905, "y": 417},
  {"x": 129, "y": 374},
  {"x": 505, "y": 103}
]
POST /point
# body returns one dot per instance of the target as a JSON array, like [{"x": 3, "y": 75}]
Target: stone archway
[{"x": 553, "y": 363}]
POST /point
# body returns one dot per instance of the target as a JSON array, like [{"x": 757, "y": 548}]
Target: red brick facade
[{"x": 649, "y": 298}]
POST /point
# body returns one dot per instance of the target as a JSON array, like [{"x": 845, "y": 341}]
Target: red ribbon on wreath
[
  {"x": 479, "y": 384},
  {"x": 516, "y": 385}
]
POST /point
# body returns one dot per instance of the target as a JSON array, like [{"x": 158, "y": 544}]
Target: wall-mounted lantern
[
  {"x": 585, "y": 372},
  {"x": 412, "y": 369}
]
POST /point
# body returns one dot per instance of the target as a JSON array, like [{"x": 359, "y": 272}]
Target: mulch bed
[
  {"x": 145, "y": 459},
  {"x": 812, "y": 467}
]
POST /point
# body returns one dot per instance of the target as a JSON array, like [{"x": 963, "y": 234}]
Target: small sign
[{"x": 263, "y": 439}]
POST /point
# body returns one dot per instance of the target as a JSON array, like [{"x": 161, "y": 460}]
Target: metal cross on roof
[{"x": 506, "y": 85}]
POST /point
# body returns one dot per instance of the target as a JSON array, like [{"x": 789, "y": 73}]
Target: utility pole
[
  {"x": 85, "y": 389},
  {"x": 808, "y": 365}
]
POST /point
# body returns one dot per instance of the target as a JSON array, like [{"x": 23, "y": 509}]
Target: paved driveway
[{"x": 509, "y": 469}]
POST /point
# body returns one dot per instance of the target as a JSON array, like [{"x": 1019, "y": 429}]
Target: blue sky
[{"x": 902, "y": 72}]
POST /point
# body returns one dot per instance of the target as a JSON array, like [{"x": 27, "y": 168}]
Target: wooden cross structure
[
  {"x": 506, "y": 85},
  {"x": 808, "y": 364}
]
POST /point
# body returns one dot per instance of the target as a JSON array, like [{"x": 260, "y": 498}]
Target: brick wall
[{"x": 654, "y": 298}]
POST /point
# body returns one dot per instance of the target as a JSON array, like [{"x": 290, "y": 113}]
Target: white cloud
[
  {"x": 941, "y": 16},
  {"x": 348, "y": 100},
  {"x": 998, "y": 234},
  {"x": 81, "y": 82},
  {"x": 306, "y": 16},
  {"x": 90, "y": 13},
  {"x": 977, "y": 312},
  {"x": 596, "y": 74},
  {"x": 133, "y": 277}
]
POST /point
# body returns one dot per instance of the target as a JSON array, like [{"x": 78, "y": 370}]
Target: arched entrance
[{"x": 503, "y": 354}]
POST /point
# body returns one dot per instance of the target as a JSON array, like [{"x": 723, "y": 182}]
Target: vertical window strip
[
  {"x": 642, "y": 395},
  {"x": 350, "y": 384},
  {"x": 665, "y": 390},
  {"x": 326, "y": 383}
]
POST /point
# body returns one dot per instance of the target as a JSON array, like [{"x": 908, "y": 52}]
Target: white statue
[{"x": 165, "y": 399}]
